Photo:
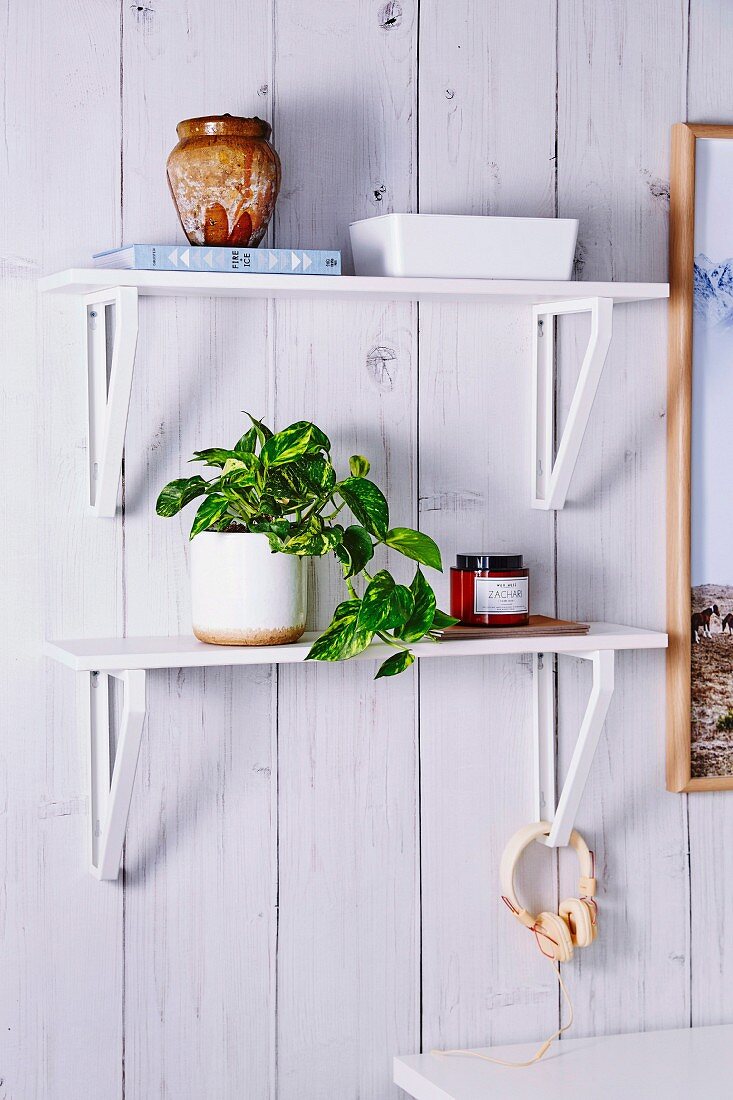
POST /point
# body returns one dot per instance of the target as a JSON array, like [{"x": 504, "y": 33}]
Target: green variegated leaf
[
  {"x": 334, "y": 535},
  {"x": 248, "y": 442},
  {"x": 384, "y": 605},
  {"x": 246, "y": 462},
  {"x": 359, "y": 466},
  {"x": 368, "y": 504},
  {"x": 177, "y": 494},
  {"x": 300, "y": 482},
  {"x": 421, "y": 619},
  {"x": 302, "y": 539},
  {"x": 441, "y": 620},
  {"x": 210, "y": 510},
  {"x": 315, "y": 473},
  {"x": 312, "y": 539},
  {"x": 336, "y": 637},
  {"x": 395, "y": 664},
  {"x": 342, "y": 555},
  {"x": 263, "y": 432},
  {"x": 375, "y": 605},
  {"x": 236, "y": 478},
  {"x": 215, "y": 456},
  {"x": 403, "y": 602},
  {"x": 232, "y": 464},
  {"x": 319, "y": 441},
  {"x": 286, "y": 445},
  {"x": 415, "y": 545},
  {"x": 358, "y": 549}
]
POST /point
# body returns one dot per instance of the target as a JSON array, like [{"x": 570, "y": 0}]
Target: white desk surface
[{"x": 692, "y": 1064}]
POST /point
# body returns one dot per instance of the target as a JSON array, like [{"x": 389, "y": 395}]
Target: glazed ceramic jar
[{"x": 224, "y": 177}]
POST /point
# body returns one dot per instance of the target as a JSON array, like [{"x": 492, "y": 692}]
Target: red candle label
[{"x": 492, "y": 596}]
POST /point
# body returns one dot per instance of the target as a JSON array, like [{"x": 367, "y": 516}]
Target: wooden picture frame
[{"x": 685, "y": 138}]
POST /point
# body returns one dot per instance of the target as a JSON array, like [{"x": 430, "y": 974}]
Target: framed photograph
[{"x": 699, "y": 495}]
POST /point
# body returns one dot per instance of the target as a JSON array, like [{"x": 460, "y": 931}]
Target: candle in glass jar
[{"x": 490, "y": 590}]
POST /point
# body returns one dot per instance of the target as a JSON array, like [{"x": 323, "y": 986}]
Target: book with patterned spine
[{"x": 247, "y": 261}]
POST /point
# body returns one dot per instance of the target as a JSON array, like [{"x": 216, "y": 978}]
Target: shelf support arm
[
  {"x": 109, "y": 384},
  {"x": 564, "y": 813},
  {"x": 111, "y": 780},
  {"x": 551, "y": 472}
]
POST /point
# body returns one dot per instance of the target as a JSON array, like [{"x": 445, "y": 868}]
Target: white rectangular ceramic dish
[{"x": 458, "y": 246}]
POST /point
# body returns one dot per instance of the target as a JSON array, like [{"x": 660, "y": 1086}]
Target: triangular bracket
[
  {"x": 562, "y": 813},
  {"x": 551, "y": 472},
  {"x": 111, "y": 778},
  {"x": 111, "y": 321}
]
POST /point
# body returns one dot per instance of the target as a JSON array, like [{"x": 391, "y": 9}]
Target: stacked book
[{"x": 258, "y": 261}]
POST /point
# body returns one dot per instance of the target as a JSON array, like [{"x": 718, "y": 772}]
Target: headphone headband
[{"x": 522, "y": 840}]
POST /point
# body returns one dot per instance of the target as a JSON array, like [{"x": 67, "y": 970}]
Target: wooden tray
[{"x": 538, "y": 625}]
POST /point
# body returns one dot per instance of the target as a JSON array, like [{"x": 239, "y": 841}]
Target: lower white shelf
[
  {"x": 676, "y": 1065},
  {"x": 185, "y": 651},
  {"x": 128, "y": 661}
]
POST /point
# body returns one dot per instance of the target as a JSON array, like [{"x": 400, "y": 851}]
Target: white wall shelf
[
  {"x": 186, "y": 651},
  {"x": 109, "y": 301},
  {"x": 677, "y": 1065},
  {"x": 128, "y": 660},
  {"x": 81, "y": 280}
]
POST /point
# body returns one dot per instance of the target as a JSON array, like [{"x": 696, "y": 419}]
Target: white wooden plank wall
[
  {"x": 621, "y": 86},
  {"x": 348, "y": 946},
  {"x": 199, "y": 1014},
  {"x": 60, "y": 938},
  {"x": 481, "y": 981},
  {"x": 310, "y": 868}
]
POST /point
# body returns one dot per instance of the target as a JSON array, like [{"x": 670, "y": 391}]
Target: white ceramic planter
[
  {"x": 242, "y": 593},
  {"x": 460, "y": 246}
]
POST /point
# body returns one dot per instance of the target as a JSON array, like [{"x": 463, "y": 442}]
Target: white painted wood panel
[
  {"x": 200, "y": 905},
  {"x": 60, "y": 938},
  {"x": 710, "y": 99},
  {"x": 621, "y": 77},
  {"x": 482, "y": 980},
  {"x": 348, "y": 944},
  {"x": 348, "y": 901}
]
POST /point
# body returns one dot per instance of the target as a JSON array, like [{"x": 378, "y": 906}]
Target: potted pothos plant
[{"x": 275, "y": 501}]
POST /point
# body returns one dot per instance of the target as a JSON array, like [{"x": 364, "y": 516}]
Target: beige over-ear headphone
[
  {"x": 576, "y": 922},
  {"x": 574, "y": 925}
]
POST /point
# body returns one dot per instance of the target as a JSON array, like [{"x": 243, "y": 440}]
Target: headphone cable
[{"x": 541, "y": 1051}]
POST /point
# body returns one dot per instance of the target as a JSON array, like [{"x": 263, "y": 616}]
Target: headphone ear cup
[
  {"x": 579, "y": 919},
  {"x": 553, "y": 937}
]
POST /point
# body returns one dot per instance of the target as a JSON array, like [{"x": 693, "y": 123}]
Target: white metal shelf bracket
[
  {"x": 111, "y": 320},
  {"x": 563, "y": 813},
  {"x": 111, "y": 781},
  {"x": 551, "y": 471}
]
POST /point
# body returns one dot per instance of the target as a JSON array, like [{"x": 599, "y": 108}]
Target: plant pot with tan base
[{"x": 244, "y": 594}]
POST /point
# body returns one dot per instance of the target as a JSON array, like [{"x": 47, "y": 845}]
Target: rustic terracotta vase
[{"x": 224, "y": 177}]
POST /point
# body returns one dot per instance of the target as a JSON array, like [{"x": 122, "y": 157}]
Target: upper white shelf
[
  {"x": 79, "y": 280},
  {"x": 185, "y": 651}
]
